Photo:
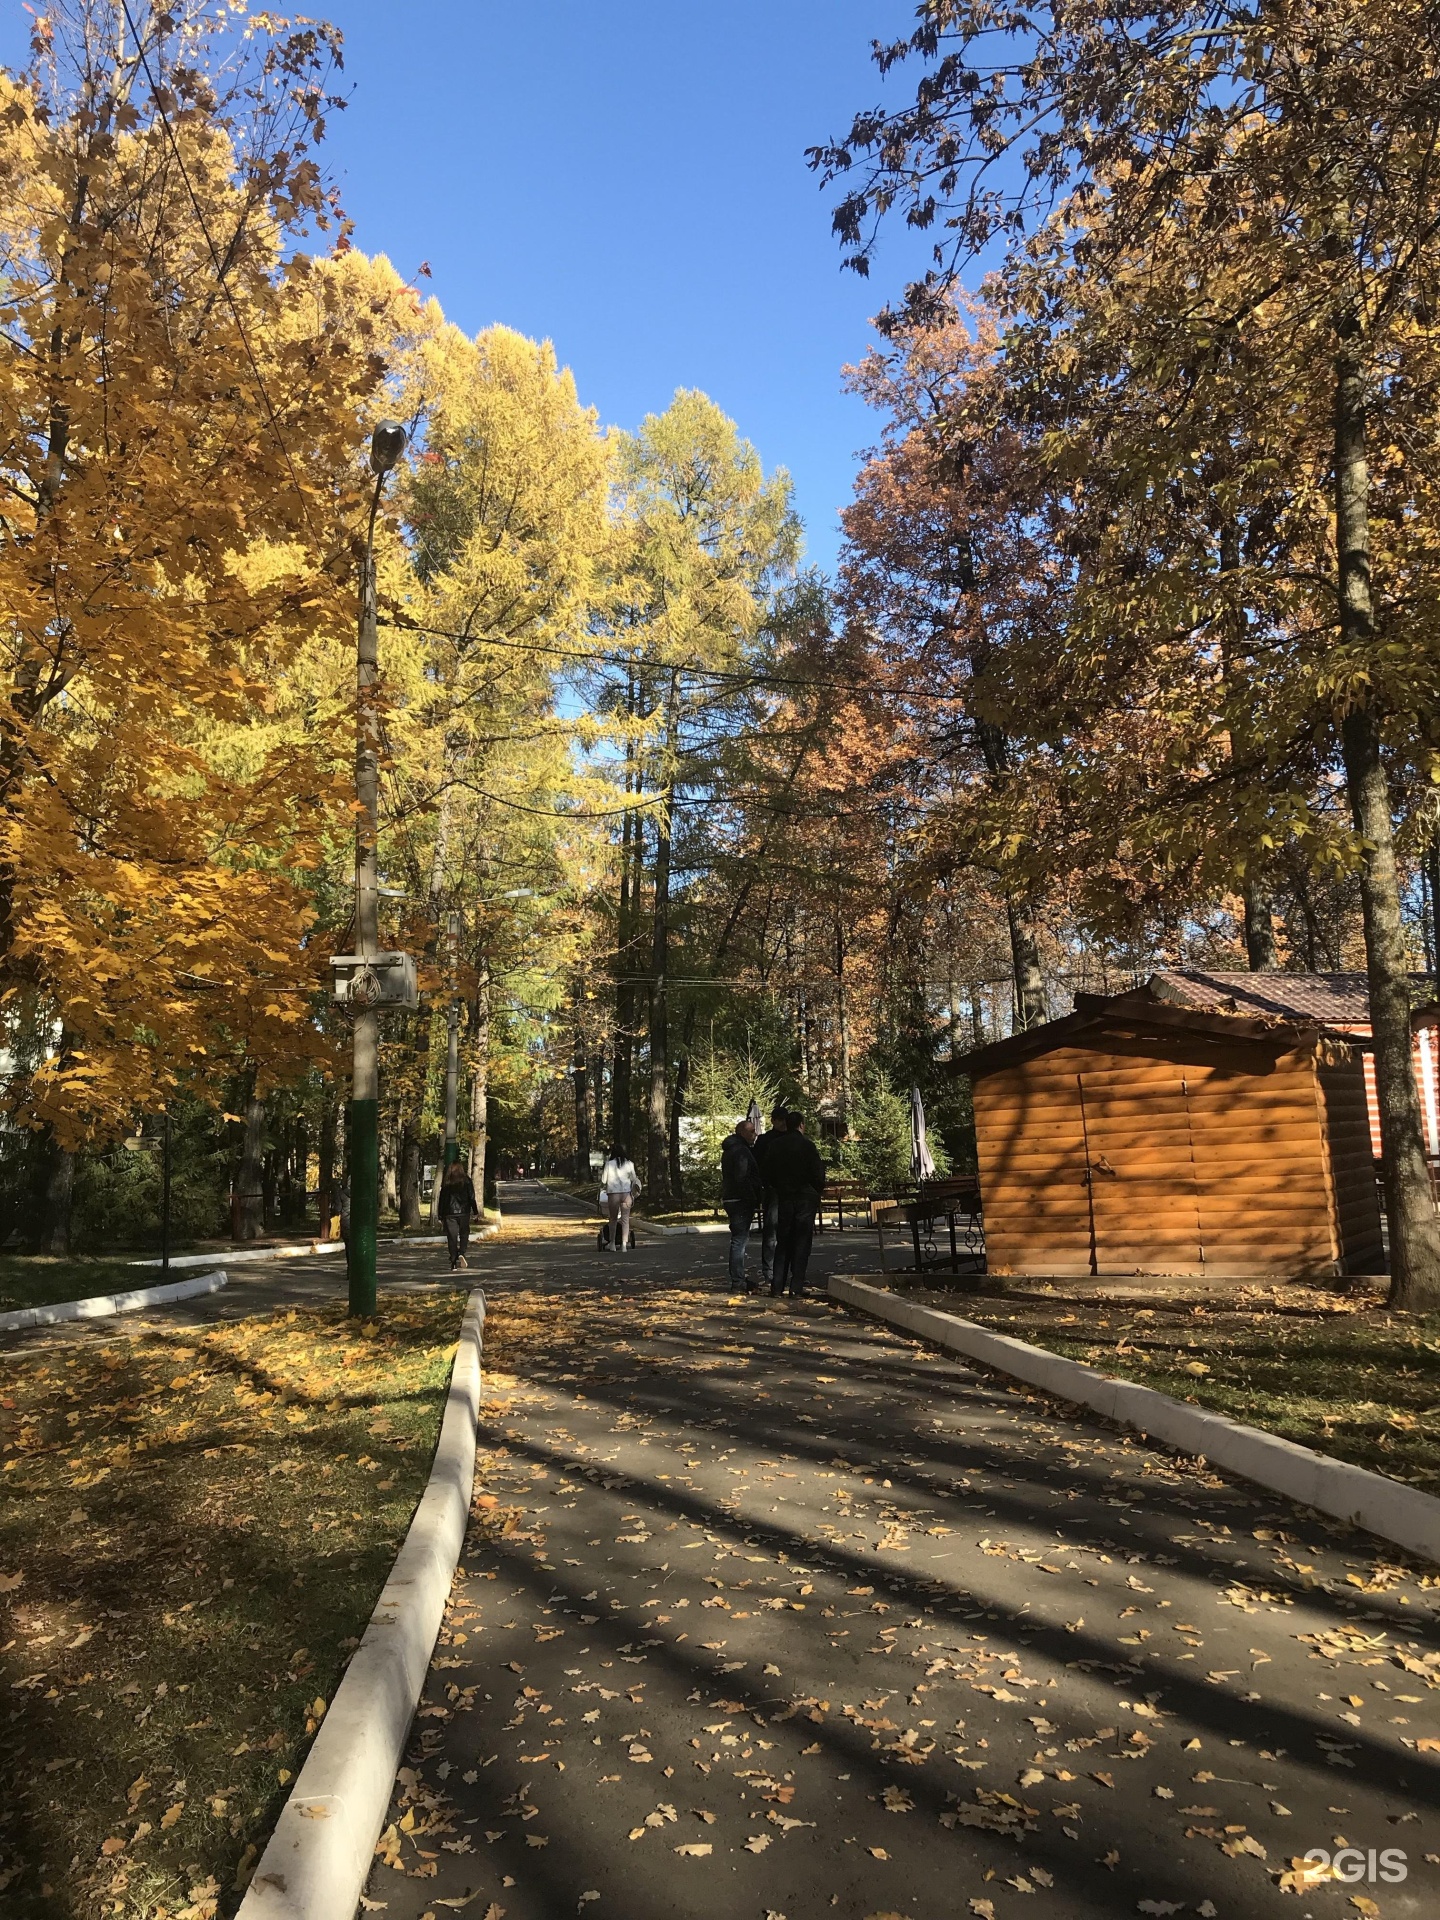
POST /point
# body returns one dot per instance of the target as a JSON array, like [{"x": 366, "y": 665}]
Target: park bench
[
  {"x": 842, "y": 1196},
  {"x": 955, "y": 1202}
]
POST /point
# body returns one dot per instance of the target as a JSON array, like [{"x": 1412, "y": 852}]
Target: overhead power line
[{"x": 693, "y": 669}]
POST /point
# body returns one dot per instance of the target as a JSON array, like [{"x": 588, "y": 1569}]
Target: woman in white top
[{"x": 619, "y": 1183}]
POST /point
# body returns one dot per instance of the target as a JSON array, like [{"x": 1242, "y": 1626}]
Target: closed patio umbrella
[{"x": 922, "y": 1166}]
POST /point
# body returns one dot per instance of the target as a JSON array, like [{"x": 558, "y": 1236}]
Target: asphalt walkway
[{"x": 962, "y": 1653}]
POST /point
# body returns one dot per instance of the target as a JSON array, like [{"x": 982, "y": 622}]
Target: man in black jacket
[
  {"x": 740, "y": 1192},
  {"x": 770, "y": 1199},
  {"x": 796, "y": 1173}
]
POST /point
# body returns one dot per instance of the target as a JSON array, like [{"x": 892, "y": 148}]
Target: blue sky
[{"x": 627, "y": 178}]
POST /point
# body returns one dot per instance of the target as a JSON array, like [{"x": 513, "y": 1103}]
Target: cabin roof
[
  {"x": 1331, "y": 999},
  {"x": 1137, "y": 1016}
]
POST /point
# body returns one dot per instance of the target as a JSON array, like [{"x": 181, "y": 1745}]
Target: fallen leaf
[
  {"x": 694, "y": 1849},
  {"x": 877, "y": 1853},
  {"x": 757, "y": 1842},
  {"x": 1160, "y": 1906},
  {"x": 171, "y": 1815},
  {"x": 897, "y": 1800},
  {"x": 985, "y": 1909}
]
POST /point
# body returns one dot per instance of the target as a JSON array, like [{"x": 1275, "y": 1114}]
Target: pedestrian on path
[
  {"x": 740, "y": 1192},
  {"x": 458, "y": 1207},
  {"x": 797, "y": 1174},
  {"x": 619, "y": 1184},
  {"x": 769, "y": 1198}
]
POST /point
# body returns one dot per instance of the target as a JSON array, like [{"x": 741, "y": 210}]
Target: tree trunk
[
  {"x": 480, "y": 1082},
  {"x": 326, "y": 1171},
  {"x": 1029, "y": 981},
  {"x": 410, "y": 1172},
  {"x": 677, "y": 1114},
  {"x": 1414, "y": 1234},
  {"x": 390, "y": 1170},
  {"x": 842, "y": 1009},
  {"x": 621, "y": 1092},
  {"x": 249, "y": 1223},
  {"x": 55, "y": 1232},
  {"x": 581, "y": 1074},
  {"x": 1260, "y": 954},
  {"x": 300, "y": 1165},
  {"x": 659, "y": 1108}
]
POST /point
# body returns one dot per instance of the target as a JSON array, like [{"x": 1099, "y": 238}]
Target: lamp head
[{"x": 387, "y": 443}]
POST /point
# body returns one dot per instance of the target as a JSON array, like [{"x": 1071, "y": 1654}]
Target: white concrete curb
[
  {"x": 1380, "y": 1505},
  {"x": 101, "y": 1305},
  {"x": 323, "y": 1845},
  {"x": 311, "y": 1247}
]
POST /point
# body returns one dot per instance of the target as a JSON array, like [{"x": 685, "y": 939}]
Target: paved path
[{"x": 767, "y": 1612}]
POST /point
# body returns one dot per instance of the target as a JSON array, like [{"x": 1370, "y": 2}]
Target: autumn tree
[
  {"x": 180, "y": 420},
  {"x": 1287, "y": 159},
  {"x": 704, "y": 537}
]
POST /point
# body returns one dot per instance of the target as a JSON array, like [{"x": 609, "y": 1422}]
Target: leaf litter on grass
[{"x": 195, "y": 1529}]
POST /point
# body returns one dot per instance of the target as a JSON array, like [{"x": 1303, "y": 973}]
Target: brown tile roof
[{"x": 1333, "y": 999}]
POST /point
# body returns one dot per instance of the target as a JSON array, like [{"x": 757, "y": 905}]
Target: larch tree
[{"x": 704, "y": 538}]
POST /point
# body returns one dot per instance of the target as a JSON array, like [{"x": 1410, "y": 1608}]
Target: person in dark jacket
[
  {"x": 740, "y": 1191},
  {"x": 796, "y": 1173},
  {"x": 458, "y": 1207},
  {"x": 769, "y": 1198}
]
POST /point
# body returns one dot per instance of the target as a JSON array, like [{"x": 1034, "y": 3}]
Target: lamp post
[{"x": 386, "y": 445}]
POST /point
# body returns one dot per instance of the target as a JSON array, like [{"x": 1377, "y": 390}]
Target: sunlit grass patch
[
  {"x": 1358, "y": 1383},
  {"x": 194, "y": 1529}
]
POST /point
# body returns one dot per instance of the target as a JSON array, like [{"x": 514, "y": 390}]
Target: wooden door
[{"x": 1140, "y": 1170}]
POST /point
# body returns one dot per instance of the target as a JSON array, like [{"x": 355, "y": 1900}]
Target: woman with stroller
[{"x": 619, "y": 1184}]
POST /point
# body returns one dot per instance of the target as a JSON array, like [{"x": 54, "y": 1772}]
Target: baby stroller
[{"x": 602, "y": 1239}]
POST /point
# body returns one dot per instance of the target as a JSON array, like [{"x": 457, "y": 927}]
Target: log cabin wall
[{"x": 1173, "y": 1153}]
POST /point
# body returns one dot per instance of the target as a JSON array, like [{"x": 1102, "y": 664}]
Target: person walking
[
  {"x": 769, "y": 1199},
  {"x": 740, "y": 1191},
  {"x": 458, "y": 1207},
  {"x": 619, "y": 1184},
  {"x": 797, "y": 1174}
]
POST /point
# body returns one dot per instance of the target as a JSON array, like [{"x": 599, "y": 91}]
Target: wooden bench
[
  {"x": 954, "y": 1200},
  {"x": 841, "y": 1194}
]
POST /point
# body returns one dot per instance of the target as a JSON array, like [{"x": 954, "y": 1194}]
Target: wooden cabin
[
  {"x": 1138, "y": 1137},
  {"x": 1339, "y": 1001}
]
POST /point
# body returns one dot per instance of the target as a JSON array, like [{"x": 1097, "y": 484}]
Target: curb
[
  {"x": 310, "y": 1247},
  {"x": 101, "y": 1305},
  {"x": 323, "y": 1846},
  {"x": 1400, "y": 1514}
]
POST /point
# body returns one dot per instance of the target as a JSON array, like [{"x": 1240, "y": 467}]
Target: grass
[
  {"x": 39, "y": 1280},
  {"x": 194, "y": 1528},
  {"x": 1349, "y": 1379}
]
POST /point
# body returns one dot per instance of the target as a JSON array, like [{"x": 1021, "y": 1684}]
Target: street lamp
[{"x": 387, "y": 443}]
